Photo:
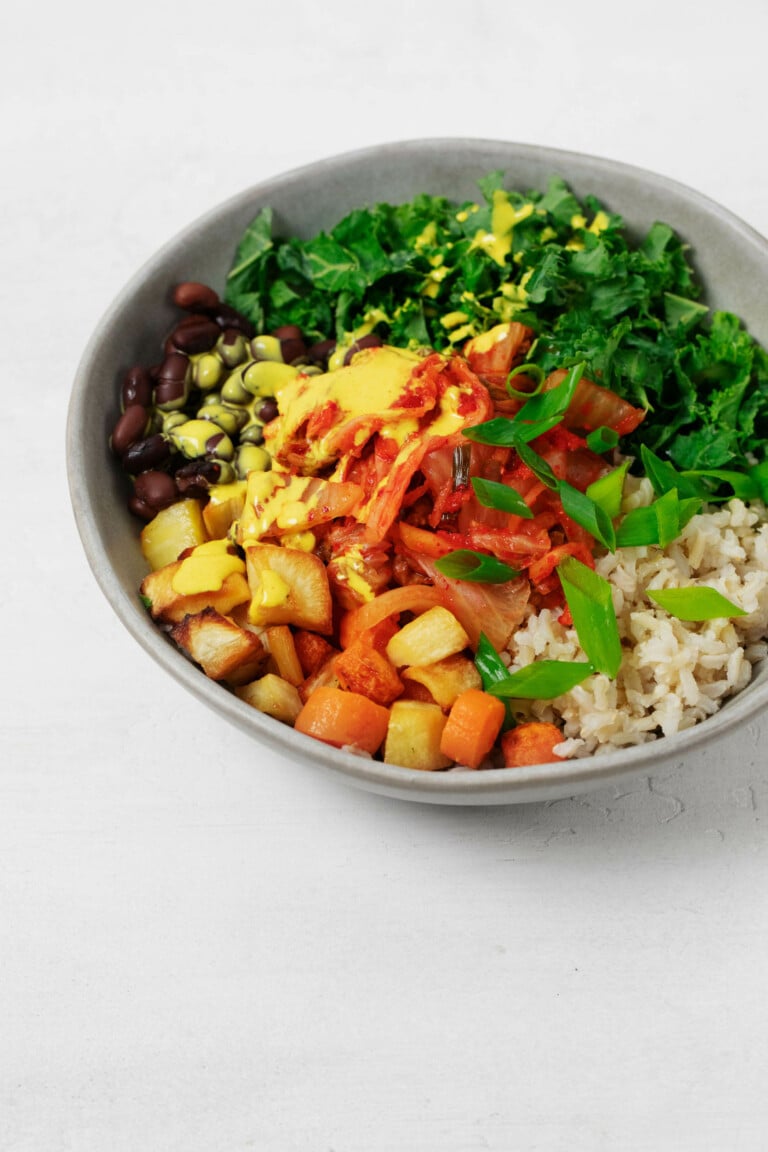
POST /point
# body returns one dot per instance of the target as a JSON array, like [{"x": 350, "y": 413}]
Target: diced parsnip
[
  {"x": 430, "y": 637},
  {"x": 413, "y": 736},
  {"x": 175, "y": 528},
  {"x": 445, "y": 679},
  {"x": 288, "y": 587},
  {"x": 283, "y": 653},
  {"x": 222, "y": 649},
  {"x": 363, "y": 668},
  {"x": 170, "y": 606},
  {"x": 225, "y": 503},
  {"x": 274, "y": 696}
]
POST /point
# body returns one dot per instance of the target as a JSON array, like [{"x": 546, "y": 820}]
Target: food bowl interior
[{"x": 731, "y": 261}]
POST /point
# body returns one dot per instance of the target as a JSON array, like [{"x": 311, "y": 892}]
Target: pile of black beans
[{"x": 191, "y": 420}]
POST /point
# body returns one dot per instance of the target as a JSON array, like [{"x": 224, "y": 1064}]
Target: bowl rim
[{"x": 454, "y": 786}]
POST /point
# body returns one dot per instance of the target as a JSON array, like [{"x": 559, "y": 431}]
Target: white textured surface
[{"x": 203, "y": 948}]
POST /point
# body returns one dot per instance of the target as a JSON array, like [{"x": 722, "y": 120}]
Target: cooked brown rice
[{"x": 673, "y": 674}]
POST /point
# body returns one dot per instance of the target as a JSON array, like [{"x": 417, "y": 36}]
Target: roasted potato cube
[
  {"x": 430, "y": 637},
  {"x": 362, "y": 668},
  {"x": 170, "y": 606},
  {"x": 174, "y": 529},
  {"x": 288, "y": 587},
  {"x": 274, "y": 696},
  {"x": 413, "y": 736},
  {"x": 222, "y": 649},
  {"x": 445, "y": 679},
  {"x": 225, "y": 503}
]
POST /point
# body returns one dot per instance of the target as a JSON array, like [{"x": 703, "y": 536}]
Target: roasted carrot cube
[
  {"x": 363, "y": 668},
  {"x": 531, "y": 743}
]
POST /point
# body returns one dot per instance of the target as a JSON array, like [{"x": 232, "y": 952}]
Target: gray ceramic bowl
[{"x": 731, "y": 259}]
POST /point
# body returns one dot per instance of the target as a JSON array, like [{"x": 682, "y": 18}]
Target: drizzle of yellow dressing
[
  {"x": 371, "y": 385},
  {"x": 272, "y": 591},
  {"x": 350, "y": 569},
  {"x": 373, "y": 317},
  {"x": 504, "y": 215},
  {"x": 206, "y": 568}
]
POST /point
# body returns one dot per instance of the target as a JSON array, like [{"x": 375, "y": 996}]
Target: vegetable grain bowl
[{"x": 442, "y": 465}]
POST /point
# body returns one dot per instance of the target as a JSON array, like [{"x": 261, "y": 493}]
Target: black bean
[
  {"x": 292, "y": 343},
  {"x": 140, "y": 508},
  {"x": 319, "y": 353},
  {"x": 156, "y": 489},
  {"x": 146, "y": 454},
  {"x": 195, "y": 334},
  {"x": 137, "y": 387},
  {"x": 268, "y": 410},
  {"x": 369, "y": 341},
  {"x": 130, "y": 427},
  {"x": 227, "y": 317},
  {"x": 193, "y": 296},
  {"x": 196, "y": 478}
]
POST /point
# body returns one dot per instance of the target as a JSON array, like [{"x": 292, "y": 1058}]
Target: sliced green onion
[
  {"x": 489, "y": 664},
  {"x": 602, "y": 439},
  {"x": 608, "y": 491},
  {"x": 491, "y": 494},
  {"x": 499, "y": 432},
  {"x": 588, "y": 514},
  {"x": 542, "y": 680},
  {"x": 640, "y": 527},
  {"x": 589, "y": 598},
  {"x": 534, "y": 371},
  {"x": 537, "y": 465},
  {"x": 546, "y": 409},
  {"x": 465, "y": 564},
  {"x": 694, "y": 604},
  {"x": 541, "y": 411},
  {"x": 667, "y": 512}
]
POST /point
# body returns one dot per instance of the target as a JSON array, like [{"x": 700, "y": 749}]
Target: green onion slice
[
  {"x": 534, "y": 371},
  {"x": 608, "y": 491},
  {"x": 641, "y": 526},
  {"x": 465, "y": 564},
  {"x": 489, "y": 664},
  {"x": 602, "y": 439},
  {"x": 491, "y": 494},
  {"x": 542, "y": 680},
  {"x": 542, "y": 411},
  {"x": 589, "y": 598},
  {"x": 694, "y": 604},
  {"x": 537, "y": 465},
  {"x": 588, "y": 514}
]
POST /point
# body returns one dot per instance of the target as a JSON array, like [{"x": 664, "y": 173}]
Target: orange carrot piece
[
  {"x": 312, "y": 649},
  {"x": 530, "y": 743},
  {"x": 473, "y": 725},
  {"x": 343, "y": 718},
  {"x": 363, "y": 668}
]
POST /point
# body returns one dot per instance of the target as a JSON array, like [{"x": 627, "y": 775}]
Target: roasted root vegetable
[
  {"x": 223, "y": 650},
  {"x": 414, "y": 733},
  {"x": 363, "y": 668},
  {"x": 445, "y": 679},
  {"x": 274, "y": 696},
  {"x": 171, "y": 532},
  {"x": 472, "y": 728},
  {"x": 430, "y": 637},
  {"x": 343, "y": 719},
  {"x": 533, "y": 742},
  {"x": 288, "y": 586}
]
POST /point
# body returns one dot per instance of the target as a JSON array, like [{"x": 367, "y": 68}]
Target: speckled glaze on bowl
[{"x": 730, "y": 258}]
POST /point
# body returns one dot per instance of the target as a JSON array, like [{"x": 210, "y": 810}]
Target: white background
[{"x": 205, "y": 948}]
